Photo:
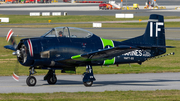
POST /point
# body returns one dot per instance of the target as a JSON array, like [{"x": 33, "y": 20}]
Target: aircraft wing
[
  {"x": 103, "y": 54},
  {"x": 11, "y": 47}
]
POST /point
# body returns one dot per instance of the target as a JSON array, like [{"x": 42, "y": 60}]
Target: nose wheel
[{"x": 31, "y": 80}]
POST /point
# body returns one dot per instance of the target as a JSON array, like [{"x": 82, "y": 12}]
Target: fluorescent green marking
[
  {"x": 109, "y": 62},
  {"x": 105, "y": 43},
  {"x": 79, "y": 58},
  {"x": 76, "y": 56}
]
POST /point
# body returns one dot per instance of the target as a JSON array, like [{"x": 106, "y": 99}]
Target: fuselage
[{"x": 47, "y": 49}]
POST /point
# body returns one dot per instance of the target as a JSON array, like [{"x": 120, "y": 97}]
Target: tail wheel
[
  {"x": 52, "y": 79},
  {"x": 31, "y": 81},
  {"x": 88, "y": 84}
]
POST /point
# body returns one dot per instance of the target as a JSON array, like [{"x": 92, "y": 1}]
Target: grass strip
[
  {"x": 25, "y": 19},
  {"x": 44, "y": 21},
  {"x": 104, "y": 25},
  {"x": 158, "y": 95}
]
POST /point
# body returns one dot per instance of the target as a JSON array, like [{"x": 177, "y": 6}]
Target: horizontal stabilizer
[
  {"x": 161, "y": 56},
  {"x": 155, "y": 46}
]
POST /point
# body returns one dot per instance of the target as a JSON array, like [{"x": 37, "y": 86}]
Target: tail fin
[
  {"x": 154, "y": 36},
  {"x": 155, "y": 33}
]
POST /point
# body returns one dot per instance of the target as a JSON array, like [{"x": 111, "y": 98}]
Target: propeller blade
[
  {"x": 13, "y": 46},
  {"x": 10, "y": 33},
  {"x": 11, "y": 38},
  {"x": 15, "y": 73},
  {"x": 15, "y": 77}
]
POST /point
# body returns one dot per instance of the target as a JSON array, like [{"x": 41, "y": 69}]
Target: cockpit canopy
[{"x": 69, "y": 32}]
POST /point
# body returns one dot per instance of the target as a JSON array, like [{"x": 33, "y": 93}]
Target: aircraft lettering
[
  {"x": 134, "y": 53},
  {"x": 138, "y": 53},
  {"x": 128, "y": 58},
  {"x": 157, "y": 29},
  {"x": 147, "y": 54}
]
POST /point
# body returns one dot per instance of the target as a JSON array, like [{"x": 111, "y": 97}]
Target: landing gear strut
[
  {"x": 51, "y": 77},
  {"x": 88, "y": 76},
  {"x": 31, "y": 80}
]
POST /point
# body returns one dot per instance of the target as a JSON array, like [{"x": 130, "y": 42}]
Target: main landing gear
[
  {"x": 88, "y": 76},
  {"x": 50, "y": 77}
]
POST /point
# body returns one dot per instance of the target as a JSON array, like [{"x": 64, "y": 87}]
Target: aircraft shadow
[{"x": 105, "y": 83}]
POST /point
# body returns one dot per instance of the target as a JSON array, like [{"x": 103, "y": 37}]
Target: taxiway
[
  {"x": 108, "y": 82},
  {"x": 82, "y": 9}
]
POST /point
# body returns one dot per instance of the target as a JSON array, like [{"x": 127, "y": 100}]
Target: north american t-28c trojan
[{"x": 65, "y": 48}]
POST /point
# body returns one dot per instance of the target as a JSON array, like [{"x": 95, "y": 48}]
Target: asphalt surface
[
  {"x": 97, "y": 12},
  {"x": 112, "y": 82},
  {"x": 109, "y": 33},
  {"x": 85, "y": 9}
]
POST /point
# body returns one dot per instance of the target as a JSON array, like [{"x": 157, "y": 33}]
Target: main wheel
[
  {"x": 31, "y": 81},
  {"x": 88, "y": 84},
  {"x": 52, "y": 79}
]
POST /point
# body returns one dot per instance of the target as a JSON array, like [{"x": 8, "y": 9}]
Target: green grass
[
  {"x": 26, "y": 19},
  {"x": 104, "y": 25},
  {"x": 23, "y": 19},
  {"x": 164, "y": 64},
  {"x": 158, "y": 95}
]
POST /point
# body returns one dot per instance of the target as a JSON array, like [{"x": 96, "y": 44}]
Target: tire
[
  {"x": 88, "y": 84},
  {"x": 31, "y": 81},
  {"x": 52, "y": 79}
]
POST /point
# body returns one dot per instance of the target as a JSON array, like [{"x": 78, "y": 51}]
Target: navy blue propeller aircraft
[{"x": 65, "y": 48}]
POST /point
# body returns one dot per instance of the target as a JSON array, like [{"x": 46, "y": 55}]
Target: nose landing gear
[{"x": 31, "y": 80}]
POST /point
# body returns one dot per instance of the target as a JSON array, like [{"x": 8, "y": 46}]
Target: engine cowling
[{"x": 25, "y": 53}]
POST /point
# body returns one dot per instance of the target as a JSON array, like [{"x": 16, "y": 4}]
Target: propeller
[
  {"x": 23, "y": 51},
  {"x": 11, "y": 39}
]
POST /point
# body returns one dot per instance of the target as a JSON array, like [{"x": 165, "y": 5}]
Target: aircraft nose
[{"x": 22, "y": 53}]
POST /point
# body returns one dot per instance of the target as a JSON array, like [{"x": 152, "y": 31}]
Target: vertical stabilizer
[{"x": 154, "y": 35}]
